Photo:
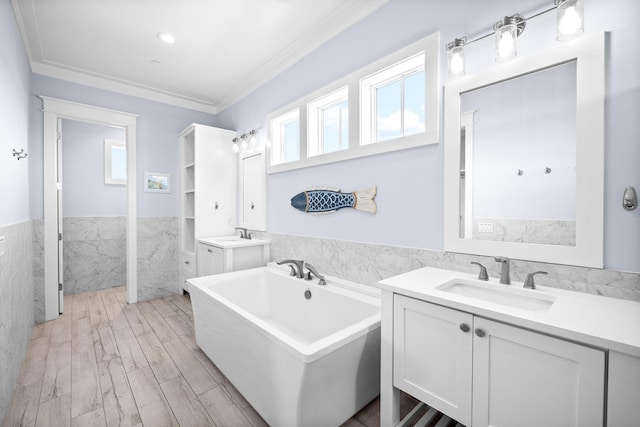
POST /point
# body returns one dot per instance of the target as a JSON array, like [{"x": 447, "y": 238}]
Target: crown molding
[
  {"x": 339, "y": 20},
  {"x": 127, "y": 88}
]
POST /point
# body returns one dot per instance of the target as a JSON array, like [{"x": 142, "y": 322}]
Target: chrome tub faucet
[
  {"x": 296, "y": 266},
  {"x": 314, "y": 272}
]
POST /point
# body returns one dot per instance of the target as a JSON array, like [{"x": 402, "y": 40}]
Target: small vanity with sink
[
  {"x": 224, "y": 254},
  {"x": 485, "y": 353}
]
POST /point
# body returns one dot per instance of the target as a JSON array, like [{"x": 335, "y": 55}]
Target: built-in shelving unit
[{"x": 208, "y": 188}]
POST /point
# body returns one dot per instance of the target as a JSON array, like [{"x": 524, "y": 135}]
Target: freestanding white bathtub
[{"x": 298, "y": 361}]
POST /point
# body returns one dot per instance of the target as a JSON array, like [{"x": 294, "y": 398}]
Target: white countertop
[
  {"x": 591, "y": 319},
  {"x": 226, "y": 242}
]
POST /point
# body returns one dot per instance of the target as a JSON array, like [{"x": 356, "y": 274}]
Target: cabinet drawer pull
[
  {"x": 186, "y": 262},
  {"x": 464, "y": 327},
  {"x": 480, "y": 333},
  {"x": 253, "y": 206},
  {"x": 209, "y": 250}
]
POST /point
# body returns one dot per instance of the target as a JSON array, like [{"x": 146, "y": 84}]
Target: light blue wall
[
  {"x": 16, "y": 272},
  {"x": 84, "y": 192},
  {"x": 410, "y": 183},
  {"x": 157, "y": 139},
  {"x": 14, "y": 111}
]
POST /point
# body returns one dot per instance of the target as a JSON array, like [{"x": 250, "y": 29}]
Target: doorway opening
[
  {"x": 54, "y": 110},
  {"x": 94, "y": 206}
]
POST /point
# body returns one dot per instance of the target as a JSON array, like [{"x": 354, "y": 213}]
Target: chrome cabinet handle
[
  {"x": 209, "y": 250},
  {"x": 480, "y": 333},
  {"x": 253, "y": 206},
  {"x": 186, "y": 262},
  {"x": 464, "y": 327}
]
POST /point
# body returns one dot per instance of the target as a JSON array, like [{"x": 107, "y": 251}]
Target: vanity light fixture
[
  {"x": 570, "y": 15},
  {"x": 252, "y": 137},
  {"x": 244, "y": 141},
  {"x": 570, "y": 18},
  {"x": 455, "y": 56},
  {"x": 507, "y": 31}
]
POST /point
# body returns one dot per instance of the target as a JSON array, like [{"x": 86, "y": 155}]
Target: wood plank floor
[{"x": 107, "y": 363}]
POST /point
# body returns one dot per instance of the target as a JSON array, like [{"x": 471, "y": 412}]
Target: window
[
  {"x": 393, "y": 101},
  {"x": 328, "y": 126},
  {"x": 388, "y": 105},
  {"x": 115, "y": 162},
  {"x": 285, "y": 137}
]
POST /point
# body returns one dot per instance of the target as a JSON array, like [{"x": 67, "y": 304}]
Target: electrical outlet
[
  {"x": 485, "y": 227},
  {"x": 2, "y": 245}
]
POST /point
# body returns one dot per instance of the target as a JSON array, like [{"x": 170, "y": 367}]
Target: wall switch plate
[
  {"x": 485, "y": 227},
  {"x": 2, "y": 245}
]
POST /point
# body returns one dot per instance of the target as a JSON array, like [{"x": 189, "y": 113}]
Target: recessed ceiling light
[{"x": 166, "y": 37}]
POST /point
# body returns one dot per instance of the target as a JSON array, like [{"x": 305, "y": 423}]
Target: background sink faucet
[
  {"x": 505, "y": 277},
  {"x": 244, "y": 233}
]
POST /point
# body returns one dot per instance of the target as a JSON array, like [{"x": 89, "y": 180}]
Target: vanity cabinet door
[
  {"x": 432, "y": 350},
  {"x": 210, "y": 260},
  {"x": 525, "y": 378}
]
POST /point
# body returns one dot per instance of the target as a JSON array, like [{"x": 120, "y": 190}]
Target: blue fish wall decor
[{"x": 324, "y": 200}]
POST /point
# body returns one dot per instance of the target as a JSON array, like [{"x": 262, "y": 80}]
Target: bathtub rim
[{"x": 304, "y": 352}]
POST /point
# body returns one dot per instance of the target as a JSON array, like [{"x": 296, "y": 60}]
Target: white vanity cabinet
[
  {"x": 432, "y": 357},
  {"x": 224, "y": 255},
  {"x": 485, "y": 373}
]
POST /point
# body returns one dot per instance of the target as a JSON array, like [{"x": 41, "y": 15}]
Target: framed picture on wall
[{"x": 157, "y": 182}]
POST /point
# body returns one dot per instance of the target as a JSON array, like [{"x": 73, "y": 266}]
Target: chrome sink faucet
[
  {"x": 297, "y": 267},
  {"x": 244, "y": 233},
  {"x": 505, "y": 275},
  {"x": 313, "y": 271}
]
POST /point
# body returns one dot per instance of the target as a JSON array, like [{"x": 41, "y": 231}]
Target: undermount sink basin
[
  {"x": 508, "y": 295},
  {"x": 233, "y": 238}
]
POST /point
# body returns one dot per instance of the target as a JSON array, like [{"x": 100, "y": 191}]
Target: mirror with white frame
[{"x": 524, "y": 157}]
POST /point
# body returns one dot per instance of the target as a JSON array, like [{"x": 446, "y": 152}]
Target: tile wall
[
  {"x": 368, "y": 263},
  {"x": 158, "y": 258},
  {"x": 16, "y": 305},
  {"x": 95, "y": 257}
]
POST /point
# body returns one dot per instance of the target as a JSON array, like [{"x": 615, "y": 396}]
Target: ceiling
[{"x": 224, "y": 49}]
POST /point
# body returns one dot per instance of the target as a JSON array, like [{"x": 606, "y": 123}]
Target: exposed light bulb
[
  {"x": 252, "y": 138},
  {"x": 455, "y": 56},
  {"x": 505, "y": 45},
  {"x": 236, "y": 147},
  {"x": 456, "y": 63},
  {"x": 570, "y": 19},
  {"x": 244, "y": 141},
  {"x": 506, "y": 37}
]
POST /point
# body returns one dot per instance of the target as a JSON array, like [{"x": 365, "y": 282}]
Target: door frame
[{"x": 53, "y": 109}]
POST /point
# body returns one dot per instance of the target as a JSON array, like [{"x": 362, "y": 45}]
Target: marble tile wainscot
[
  {"x": 16, "y": 306},
  {"x": 37, "y": 251},
  {"x": 368, "y": 263},
  {"x": 94, "y": 253},
  {"x": 158, "y": 258}
]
